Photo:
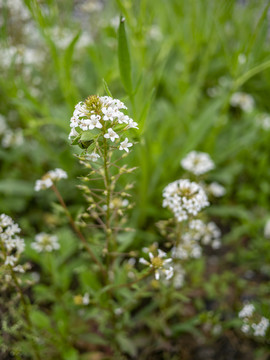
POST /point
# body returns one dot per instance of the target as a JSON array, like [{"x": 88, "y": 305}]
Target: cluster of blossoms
[
  {"x": 49, "y": 178},
  {"x": 159, "y": 264},
  {"x": 184, "y": 198},
  {"x": 251, "y": 322},
  {"x": 11, "y": 244},
  {"x": 208, "y": 234},
  {"x": 197, "y": 163},
  {"x": 101, "y": 113},
  {"x": 242, "y": 100},
  {"x": 45, "y": 242}
]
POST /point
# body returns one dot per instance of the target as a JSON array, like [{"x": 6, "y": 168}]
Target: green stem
[
  {"x": 108, "y": 197},
  {"x": 77, "y": 230}
]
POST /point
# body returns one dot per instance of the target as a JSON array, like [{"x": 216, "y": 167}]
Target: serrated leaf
[{"x": 124, "y": 57}]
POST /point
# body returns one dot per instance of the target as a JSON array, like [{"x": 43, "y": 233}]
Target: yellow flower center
[{"x": 157, "y": 262}]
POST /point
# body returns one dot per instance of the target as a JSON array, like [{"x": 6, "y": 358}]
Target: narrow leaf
[{"x": 124, "y": 57}]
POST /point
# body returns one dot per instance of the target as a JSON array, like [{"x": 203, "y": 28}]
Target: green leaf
[
  {"x": 76, "y": 140},
  {"x": 124, "y": 57},
  {"x": 16, "y": 187},
  {"x": 87, "y": 135},
  {"x": 39, "y": 319},
  {"x": 106, "y": 88},
  {"x": 127, "y": 345}
]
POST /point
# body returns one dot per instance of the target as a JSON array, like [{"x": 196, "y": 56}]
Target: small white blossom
[
  {"x": 57, "y": 174},
  {"x": 47, "y": 180},
  {"x": 159, "y": 265},
  {"x": 197, "y": 163},
  {"x": 43, "y": 184},
  {"x": 247, "y": 311},
  {"x": 261, "y": 328},
  {"x": 92, "y": 157},
  {"x": 45, "y": 242},
  {"x": 124, "y": 145},
  {"x": 10, "y": 260},
  {"x": 111, "y": 135},
  {"x": 242, "y": 100},
  {"x": 86, "y": 299}
]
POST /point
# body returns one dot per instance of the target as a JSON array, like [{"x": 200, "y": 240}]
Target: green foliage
[{"x": 176, "y": 65}]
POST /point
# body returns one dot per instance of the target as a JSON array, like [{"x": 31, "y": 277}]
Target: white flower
[
  {"x": 57, "y": 174},
  {"x": 48, "y": 179},
  {"x": 92, "y": 157},
  {"x": 124, "y": 145},
  {"x": 261, "y": 328},
  {"x": 159, "y": 265},
  {"x": 184, "y": 198},
  {"x": 111, "y": 135},
  {"x": 247, "y": 311},
  {"x": 132, "y": 124},
  {"x": 242, "y": 100},
  {"x": 86, "y": 299},
  {"x": 45, "y": 242},
  {"x": 11, "y": 260},
  {"x": 197, "y": 163},
  {"x": 43, "y": 184},
  {"x": 216, "y": 189},
  {"x": 245, "y": 328},
  {"x": 110, "y": 113}
]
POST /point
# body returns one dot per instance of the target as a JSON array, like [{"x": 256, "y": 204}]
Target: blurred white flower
[
  {"x": 197, "y": 162},
  {"x": 246, "y": 311},
  {"x": 92, "y": 157},
  {"x": 263, "y": 121},
  {"x": 45, "y": 242},
  {"x": 242, "y": 100},
  {"x": 49, "y": 178},
  {"x": 216, "y": 189},
  {"x": 261, "y": 328}
]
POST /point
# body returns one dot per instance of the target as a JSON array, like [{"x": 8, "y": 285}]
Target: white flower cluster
[
  {"x": 184, "y": 198},
  {"x": 45, "y": 242},
  {"x": 243, "y": 101},
  {"x": 209, "y": 233},
  {"x": 12, "y": 244},
  {"x": 159, "y": 264},
  {"x": 250, "y": 322},
  {"x": 197, "y": 163},
  {"x": 187, "y": 249},
  {"x": 102, "y": 113},
  {"x": 189, "y": 246},
  {"x": 49, "y": 178}
]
